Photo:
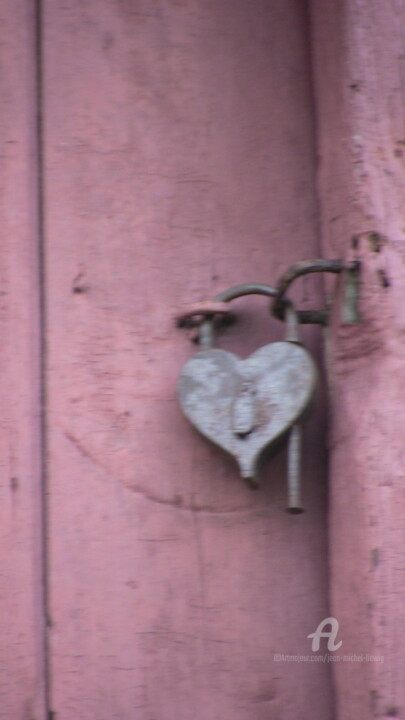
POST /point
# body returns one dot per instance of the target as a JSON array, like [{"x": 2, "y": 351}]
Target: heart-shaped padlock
[{"x": 248, "y": 406}]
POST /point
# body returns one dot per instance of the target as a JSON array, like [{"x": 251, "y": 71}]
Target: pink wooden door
[{"x": 176, "y": 158}]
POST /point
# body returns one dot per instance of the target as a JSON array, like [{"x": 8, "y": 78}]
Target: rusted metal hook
[{"x": 305, "y": 267}]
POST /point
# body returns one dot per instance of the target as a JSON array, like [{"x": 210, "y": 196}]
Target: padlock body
[{"x": 247, "y": 406}]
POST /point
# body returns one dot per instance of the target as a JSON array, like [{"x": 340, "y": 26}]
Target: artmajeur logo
[
  {"x": 327, "y": 628},
  {"x": 330, "y": 634}
]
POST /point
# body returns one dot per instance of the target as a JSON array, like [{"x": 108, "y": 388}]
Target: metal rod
[
  {"x": 206, "y": 334},
  {"x": 292, "y": 322},
  {"x": 294, "y": 475}
]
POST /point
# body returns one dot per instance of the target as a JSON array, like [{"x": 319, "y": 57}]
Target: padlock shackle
[
  {"x": 246, "y": 289},
  {"x": 206, "y": 335}
]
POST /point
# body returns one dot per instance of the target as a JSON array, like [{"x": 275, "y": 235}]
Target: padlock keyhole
[{"x": 244, "y": 410}]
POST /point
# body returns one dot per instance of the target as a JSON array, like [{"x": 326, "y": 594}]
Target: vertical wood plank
[
  {"x": 359, "y": 67},
  {"x": 179, "y": 161},
  {"x": 21, "y": 597}
]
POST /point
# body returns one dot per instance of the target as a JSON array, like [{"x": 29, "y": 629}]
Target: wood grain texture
[
  {"x": 179, "y": 161},
  {"x": 359, "y": 55},
  {"x": 21, "y": 600}
]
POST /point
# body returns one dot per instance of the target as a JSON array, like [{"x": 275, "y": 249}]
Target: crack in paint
[{"x": 147, "y": 495}]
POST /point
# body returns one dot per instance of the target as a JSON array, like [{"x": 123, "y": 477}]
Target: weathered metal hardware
[
  {"x": 349, "y": 314},
  {"x": 248, "y": 407},
  {"x": 194, "y": 315}
]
